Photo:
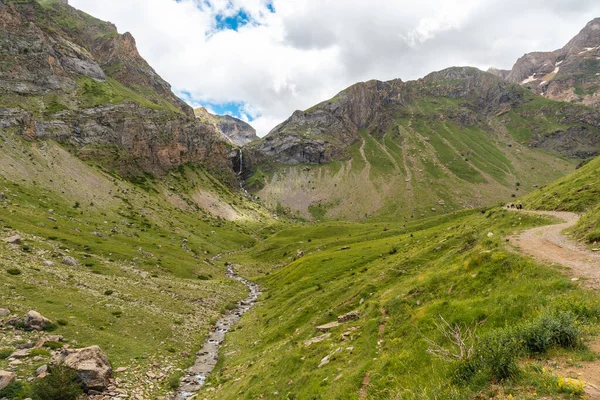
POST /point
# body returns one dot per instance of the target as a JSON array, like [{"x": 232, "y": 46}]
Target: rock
[
  {"x": 41, "y": 372},
  {"x": 34, "y": 321},
  {"x": 21, "y": 353},
  {"x": 2, "y": 196},
  {"x": 48, "y": 263},
  {"x": 351, "y": 316},
  {"x": 329, "y": 326},
  {"x": 16, "y": 239},
  {"x": 317, "y": 339},
  {"x": 121, "y": 369},
  {"x": 91, "y": 364},
  {"x": 70, "y": 261},
  {"x": 4, "y": 312},
  {"x": 324, "y": 361},
  {"x": 6, "y": 378}
]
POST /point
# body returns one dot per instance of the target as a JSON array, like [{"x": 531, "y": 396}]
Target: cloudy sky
[{"x": 262, "y": 59}]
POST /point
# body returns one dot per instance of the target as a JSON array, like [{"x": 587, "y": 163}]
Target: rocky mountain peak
[
  {"x": 589, "y": 37},
  {"x": 233, "y": 130},
  {"x": 567, "y": 74}
]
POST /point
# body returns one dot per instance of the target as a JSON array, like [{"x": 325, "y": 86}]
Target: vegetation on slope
[
  {"x": 146, "y": 288},
  {"x": 403, "y": 279},
  {"x": 578, "y": 192}
]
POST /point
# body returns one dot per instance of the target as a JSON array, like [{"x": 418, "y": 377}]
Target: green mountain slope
[
  {"x": 402, "y": 279},
  {"x": 147, "y": 287},
  {"x": 578, "y": 192},
  {"x": 70, "y": 77},
  {"x": 455, "y": 139}
]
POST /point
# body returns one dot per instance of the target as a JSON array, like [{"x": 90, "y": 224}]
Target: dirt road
[{"x": 549, "y": 244}]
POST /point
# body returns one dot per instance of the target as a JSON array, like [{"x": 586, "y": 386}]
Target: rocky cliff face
[
  {"x": 323, "y": 132},
  {"x": 463, "y": 95},
  {"x": 569, "y": 74},
  {"x": 234, "y": 130},
  {"x": 67, "y": 76}
]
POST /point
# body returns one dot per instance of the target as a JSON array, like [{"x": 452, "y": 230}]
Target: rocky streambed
[{"x": 207, "y": 357}]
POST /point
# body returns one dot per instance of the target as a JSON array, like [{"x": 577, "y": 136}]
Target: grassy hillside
[
  {"x": 403, "y": 279},
  {"x": 147, "y": 287},
  {"x": 578, "y": 192},
  {"x": 420, "y": 166}
]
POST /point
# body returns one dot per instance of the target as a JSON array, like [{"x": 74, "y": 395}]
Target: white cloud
[{"x": 308, "y": 50}]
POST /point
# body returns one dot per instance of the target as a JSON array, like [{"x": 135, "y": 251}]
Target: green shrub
[
  {"x": 39, "y": 352},
  {"x": 53, "y": 345},
  {"x": 5, "y": 353},
  {"x": 593, "y": 237},
  {"x": 62, "y": 322},
  {"x": 204, "y": 277},
  {"x": 14, "y": 271},
  {"x": 550, "y": 330},
  {"x": 174, "y": 380},
  {"x": 15, "y": 390},
  {"x": 108, "y": 292},
  {"x": 494, "y": 359},
  {"x": 61, "y": 384}
]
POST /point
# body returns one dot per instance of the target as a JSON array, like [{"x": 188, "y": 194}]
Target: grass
[
  {"x": 447, "y": 266},
  {"x": 142, "y": 247},
  {"x": 578, "y": 192}
]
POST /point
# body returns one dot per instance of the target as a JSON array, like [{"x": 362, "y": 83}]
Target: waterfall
[{"x": 241, "y": 162}]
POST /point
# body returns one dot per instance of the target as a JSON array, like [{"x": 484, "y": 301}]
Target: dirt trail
[{"x": 547, "y": 243}]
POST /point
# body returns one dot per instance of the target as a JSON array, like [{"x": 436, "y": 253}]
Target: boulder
[
  {"x": 13, "y": 239},
  {"x": 41, "y": 372},
  {"x": 351, "y": 316},
  {"x": 6, "y": 378},
  {"x": 68, "y": 260},
  {"x": 34, "y": 321},
  {"x": 91, "y": 364},
  {"x": 4, "y": 312},
  {"x": 48, "y": 263},
  {"x": 328, "y": 327}
]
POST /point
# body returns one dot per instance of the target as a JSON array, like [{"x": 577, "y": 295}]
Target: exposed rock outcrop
[
  {"x": 6, "y": 378},
  {"x": 570, "y": 74},
  {"x": 92, "y": 366},
  {"x": 232, "y": 129},
  {"x": 72, "y": 78},
  {"x": 34, "y": 321}
]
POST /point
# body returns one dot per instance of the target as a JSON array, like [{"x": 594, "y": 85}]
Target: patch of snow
[
  {"x": 588, "y": 49},
  {"x": 560, "y": 62},
  {"x": 542, "y": 83},
  {"x": 530, "y": 79},
  {"x": 556, "y": 70}
]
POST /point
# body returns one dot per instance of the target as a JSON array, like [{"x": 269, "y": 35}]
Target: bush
[
  {"x": 494, "y": 359},
  {"x": 14, "y": 390},
  {"x": 5, "y": 353},
  {"x": 53, "y": 345},
  {"x": 593, "y": 237},
  {"x": 108, "y": 292},
  {"x": 61, "y": 384},
  {"x": 550, "y": 330},
  {"x": 14, "y": 271}
]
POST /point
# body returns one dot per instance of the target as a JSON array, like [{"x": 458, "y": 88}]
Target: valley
[{"x": 360, "y": 250}]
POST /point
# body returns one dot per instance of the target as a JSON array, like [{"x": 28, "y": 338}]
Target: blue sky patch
[
  {"x": 233, "y": 108},
  {"x": 233, "y": 22}
]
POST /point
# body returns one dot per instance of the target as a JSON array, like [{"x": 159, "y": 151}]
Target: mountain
[
  {"x": 236, "y": 131},
  {"x": 456, "y": 138},
  {"x": 571, "y": 73},
  {"x": 70, "y": 77}
]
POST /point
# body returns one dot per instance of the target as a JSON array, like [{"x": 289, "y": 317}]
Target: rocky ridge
[
  {"x": 234, "y": 130},
  {"x": 570, "y": 74},
  {"x": 70, "y": 77}
]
